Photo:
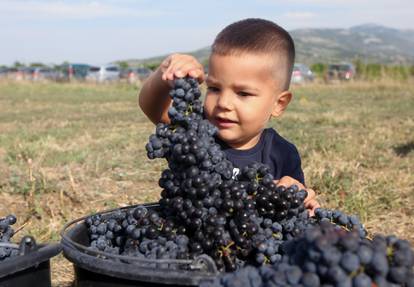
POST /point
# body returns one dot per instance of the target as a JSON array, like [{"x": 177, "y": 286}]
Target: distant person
[{"x": 250, "y": 67}]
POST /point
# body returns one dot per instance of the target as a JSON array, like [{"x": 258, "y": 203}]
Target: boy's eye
[
  {"x": 213, "y": 89},
  {"x": 244, "y": 94}
]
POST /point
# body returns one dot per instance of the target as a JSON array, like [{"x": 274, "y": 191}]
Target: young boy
[{"x": 248, "y": 82}]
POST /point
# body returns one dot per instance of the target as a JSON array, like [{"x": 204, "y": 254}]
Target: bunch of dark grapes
[
  {"x": 327, "y": 255},
  {"x": 230, "y": 219},
  {"x": 348, "y": 222},
  {"x": 6, "y": 233},
  {"x": 204, "y": 208},
  {"x": 138, "y": 232},
  {"x": 234, "y": 220}
]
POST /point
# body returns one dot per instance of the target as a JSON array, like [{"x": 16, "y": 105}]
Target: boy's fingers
[
  {"x": 168, "y": 73},
  {"x": 164, "y": 65},
  {"x": 170, "y": 63},
  {"x": 289, "y": 181},
  {"x": 311, "y": 206},
  {"x": 310, "y": 202},
  {"x": 186, "y": 67},
  {"x": 176, "y": 69},
  {"x": 193, "y": 73},
  {"x": 177, "y": 65},
  {"x": 183, "y": 71},
  {"x": 197, "y": 74},
  {"x": 311, "y": 195}
]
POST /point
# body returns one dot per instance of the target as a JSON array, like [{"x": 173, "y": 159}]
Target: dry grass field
[{"x": 67, "y": 150}]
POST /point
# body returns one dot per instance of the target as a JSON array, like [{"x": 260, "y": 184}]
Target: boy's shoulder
[
  {"x": 278, "y": 146},
  {"x": 282, "y": 156},
  {"x": 274, "y": 140}
]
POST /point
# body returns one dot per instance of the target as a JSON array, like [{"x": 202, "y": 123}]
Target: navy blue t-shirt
[{"x": 273, "y": 150}]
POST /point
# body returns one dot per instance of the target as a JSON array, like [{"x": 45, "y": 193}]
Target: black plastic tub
[
  {"x": 100, "y": 269},
  {"x": 31, "y": 267}
]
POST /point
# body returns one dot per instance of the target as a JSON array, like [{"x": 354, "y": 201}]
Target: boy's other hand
[
  {"x": 179, "y": 66},
  {"x": 311, "y": 204}
]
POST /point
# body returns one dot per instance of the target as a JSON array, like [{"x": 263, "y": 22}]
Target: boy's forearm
[{"x": 154, "y": 99}]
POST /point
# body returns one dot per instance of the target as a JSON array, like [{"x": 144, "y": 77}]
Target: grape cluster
[
  {"x": 327, "y": 255},
  {"x": 238, "y": 220},
  {"x": 234, "y": 220},
  {"x": 349, "y": 222},
  {"x": 228, "y": 218},
  {"x": 186, "y": 115},
  {"x": 6, "y": 233},
  {"x": 138, "y": 232}
]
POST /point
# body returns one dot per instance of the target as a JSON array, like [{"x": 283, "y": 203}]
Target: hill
[{"x": 370, "y": 43}]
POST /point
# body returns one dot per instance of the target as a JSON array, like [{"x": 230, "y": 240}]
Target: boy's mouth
[{"x": 224, "y": 122}]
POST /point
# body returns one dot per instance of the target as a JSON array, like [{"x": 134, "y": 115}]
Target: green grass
[
  {"x": 68, "y": 150},
  {"x": 349, "y": 136}
]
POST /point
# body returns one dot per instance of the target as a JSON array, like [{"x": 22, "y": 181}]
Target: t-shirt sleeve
[
  {"x": 293, "y": 165},
  {"x": 282, "y": 157}
]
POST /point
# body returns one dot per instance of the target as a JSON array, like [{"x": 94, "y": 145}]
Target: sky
[{"x": 99, "y": 32}]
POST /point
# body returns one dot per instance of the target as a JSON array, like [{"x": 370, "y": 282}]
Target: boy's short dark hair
[{"x": 257, "y": 36}]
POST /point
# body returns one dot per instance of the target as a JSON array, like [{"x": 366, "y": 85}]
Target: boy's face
[{"x": 242, "y": 95}]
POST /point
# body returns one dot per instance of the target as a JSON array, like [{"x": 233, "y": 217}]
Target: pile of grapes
[
  {"x": 239, "y": 221},
  {"x": 7, "y": 249},
  {"x": 325, "y": 255}
]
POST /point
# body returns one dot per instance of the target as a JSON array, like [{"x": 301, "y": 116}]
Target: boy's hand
[
  {"x": 310, "y": 201},
  {"x": 311, "y": 204},
  {"x": 179, "y": 66}
]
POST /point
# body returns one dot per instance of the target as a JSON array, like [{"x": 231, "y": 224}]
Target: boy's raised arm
[{"x": 153, "y": 97}]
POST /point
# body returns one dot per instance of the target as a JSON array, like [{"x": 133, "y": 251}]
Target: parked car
[
  {"x": 342, "y": 72},
  {"x": 70, "y": 72},
  {"x": 106, "y": 73},
  {"x": 16, "y": 74},
  {"x": 133, "y": 75},
  {"x": 40, "y": 74},
  {"x": 3, "y": 72},
  {"x": 301, "y": 74},
  {"x": 27, "y": 73}
]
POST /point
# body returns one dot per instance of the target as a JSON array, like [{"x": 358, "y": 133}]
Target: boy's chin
[
  {"x": 231, "y": 140},
  {"x": 226, "y": 136},
  {"x": 237, "y": 141}
]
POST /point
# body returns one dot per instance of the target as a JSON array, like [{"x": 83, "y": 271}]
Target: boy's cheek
[
  {"x": 207, "y": 100},
  {"x": 208, "y": 108}
]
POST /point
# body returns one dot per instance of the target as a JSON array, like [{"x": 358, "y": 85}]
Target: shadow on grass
[{"x": 403, "y": 149}]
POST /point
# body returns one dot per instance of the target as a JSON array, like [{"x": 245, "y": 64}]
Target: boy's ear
[{"x": 281, "y": 103}]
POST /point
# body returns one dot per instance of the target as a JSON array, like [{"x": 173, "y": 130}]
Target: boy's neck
[{"x": 250, "y": 143}]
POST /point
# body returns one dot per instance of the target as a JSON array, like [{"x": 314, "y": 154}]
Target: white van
[{"x": 102, "y": 74}]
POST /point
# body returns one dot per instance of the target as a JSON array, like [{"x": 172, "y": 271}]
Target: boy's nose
[{"x": 225, "y": 101}]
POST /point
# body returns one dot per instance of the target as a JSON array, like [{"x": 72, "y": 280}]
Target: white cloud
[{"x": 36, "y": 9}]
